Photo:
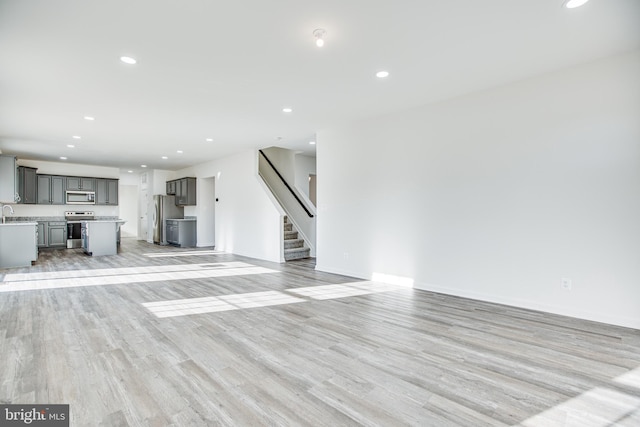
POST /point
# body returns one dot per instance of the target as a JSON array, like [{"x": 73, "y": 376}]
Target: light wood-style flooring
[{"x": 389, "y": 357}]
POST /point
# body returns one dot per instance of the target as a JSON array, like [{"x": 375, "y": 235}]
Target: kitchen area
[
  {"x": 46, "y": 207},
  {"x": 55, "y": 212}
]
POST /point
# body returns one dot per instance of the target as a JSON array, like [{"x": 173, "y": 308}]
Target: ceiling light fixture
[
  {"x": 209, "y": 139},
  {"x": 130, "y": 171},
  {"x": 71, "y": 146},
  {"x": 63, "y": 158},
  {"x": 143, "y": 166},
  {"x": 164, "y": 157},
  {"x": 75, "y": 137},
  {"x": 179, "y": 151},
  {"x": 319, "y": 33},
  {"x": 382, "y": 74},
  {"x": 128, "y": 60},
  {"x": 312, "y": 142},
  {"x": 89, "y": 118},
  {"x": 287, "y": 110},
  {"x": 572, "y": 4}
]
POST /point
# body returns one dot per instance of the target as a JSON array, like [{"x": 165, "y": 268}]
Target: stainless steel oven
[{"x": 74, "y": 227}]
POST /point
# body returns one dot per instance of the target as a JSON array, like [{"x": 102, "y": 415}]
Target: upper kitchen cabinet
[
  {"x": 51, "y": 190},
  {"x": 106, "y": 191},
  {"x": 8, "y": 179},
  {"x": 75, "y": 183},
  {"x": 185, "y": 191},
  {"x": 27, "y": 185},
  {"x": 171, "y": 188}
]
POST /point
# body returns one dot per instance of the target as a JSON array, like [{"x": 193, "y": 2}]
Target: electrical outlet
[{"x": 566, "y": 284}]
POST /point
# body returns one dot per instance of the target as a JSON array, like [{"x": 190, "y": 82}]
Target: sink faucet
[{"x": 10, "y": 211}]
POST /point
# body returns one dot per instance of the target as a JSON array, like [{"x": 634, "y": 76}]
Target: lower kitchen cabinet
[
  {"x": 181, "y": 232},
  {"x": 42, "y": 234},
  {"x": 52, "y": 234},
  {"x": 57, "y": 234}
]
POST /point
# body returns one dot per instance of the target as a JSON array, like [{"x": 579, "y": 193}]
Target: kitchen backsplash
[{"x": 59, "y": 210}]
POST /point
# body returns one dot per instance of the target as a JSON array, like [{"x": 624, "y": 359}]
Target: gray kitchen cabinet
[
  {"x": 27, "y": 185},
  {"x": 56, "y": 234},
  {"x": 181, "y": 232},
  {"x": 42, "y": 234},
  {"x": 186, "y": 192},
  {"x": 171, "y": 188},
  {"x": 18, "y": 244},
  {"x": 106, "y": 191},
  {"x": 75, "y": 183},
  {"x": 57, "y": 190},
  {"x": 172, "y": 232},
  {"x": 8, "y": 192},
  {"x": 52, "y": 234},
  {"x": 51, "y": 190}
]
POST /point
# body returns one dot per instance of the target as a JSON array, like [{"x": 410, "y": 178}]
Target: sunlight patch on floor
[
  {"x": 118, "y": 276},
  {"x": 631, "y": 378},
  {"x": 181, "y": 254},
  {"x": 189, "y": 306},
  {"x": 183, "y": 307},
  {"x": 598, "y": 407},
  {"x": 344, "y": 290}
]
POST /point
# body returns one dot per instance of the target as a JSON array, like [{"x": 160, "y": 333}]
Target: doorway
[
  {"x": 312, "y": 188},
  {"x": 207, "y": 212}
]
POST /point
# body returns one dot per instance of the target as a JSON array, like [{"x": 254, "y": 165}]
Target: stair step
[
  {"x": 293, "y": 243},
  {"x": 288, "y": 226},
  {"x": 288, "y": 235},
  {"x": 296, "y": 253}
]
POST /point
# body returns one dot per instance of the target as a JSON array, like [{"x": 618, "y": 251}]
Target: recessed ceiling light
[
  {"x": 89, "y": 118},
  {"x": 128, "y": 60},
  {"x": 572, "y": 4},
  {"x": 287, "y": 110},
  {"x": 319, "y": 36},
  {"x": 164, "y": 157},
  {"x": 209, "y": 139},
  {"x": 382, "y": 74},
  {"x": 71, "y": 146},
  {"x": 63, "y": 158},
  {"x": 75, "y": 137},
  {"x": 143, "y": 166},
  {"x": 312, "y": 142},
  {"x": 179, "y": 151},
  {"x": 130, "y": 171}
]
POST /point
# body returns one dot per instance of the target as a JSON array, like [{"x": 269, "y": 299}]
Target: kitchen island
[
  {"x": 100, "y": 237},
  {"x": 18, "y": 244}
]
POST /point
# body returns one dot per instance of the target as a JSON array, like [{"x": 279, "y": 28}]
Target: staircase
[{"x": 294, "y": 248}]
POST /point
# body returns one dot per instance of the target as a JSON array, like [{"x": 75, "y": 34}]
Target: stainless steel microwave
[{"x": 81, "y": 197}]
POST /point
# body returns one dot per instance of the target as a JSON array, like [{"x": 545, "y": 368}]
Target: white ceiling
[{"x": 225, "y": 70}]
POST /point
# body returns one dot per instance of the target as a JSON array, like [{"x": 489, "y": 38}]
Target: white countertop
[
  {"x": 95, "y": 220},
  {"x": 180, "y": 219},
  {"x": 15, "y": 223}
]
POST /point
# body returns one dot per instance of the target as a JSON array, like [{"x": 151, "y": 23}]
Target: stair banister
[{"x": 287, "y": 185}]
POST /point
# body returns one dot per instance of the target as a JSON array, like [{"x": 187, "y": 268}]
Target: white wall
[
  {"x": 284, "y": 160},
  {"x": 246, "y": 220},
  {"x": 305, "y": 166},
  {"x": 497, "y": 195}
]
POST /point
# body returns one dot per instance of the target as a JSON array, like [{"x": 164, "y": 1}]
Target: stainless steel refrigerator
[{"x": 164, "y": 207}]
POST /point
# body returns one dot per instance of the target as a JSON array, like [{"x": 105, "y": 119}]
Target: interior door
[{"x": 143, "y": 228}]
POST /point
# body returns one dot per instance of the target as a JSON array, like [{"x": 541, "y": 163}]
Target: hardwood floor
[{"x": 382, "y": 357}]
